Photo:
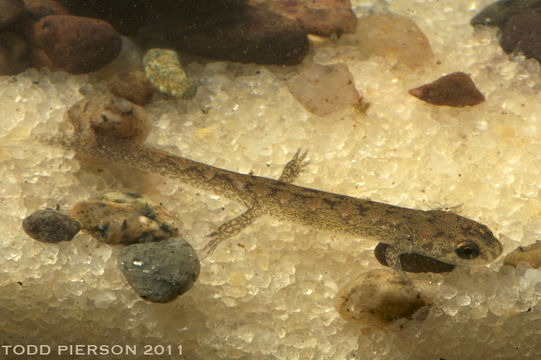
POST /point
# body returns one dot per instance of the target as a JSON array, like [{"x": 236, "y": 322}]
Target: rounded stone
[
  {"x": 132, "y": 86},
  {"x": 10, "y": 10},
  {"x": 77, "y": 44},
  {"x": 160, "y": 271},
  {"x": 50, "y": 226},
  {"x": 250, "y": 34}
]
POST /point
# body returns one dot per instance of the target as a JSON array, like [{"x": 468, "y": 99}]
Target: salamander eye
[{"x": 467, "y": 250}]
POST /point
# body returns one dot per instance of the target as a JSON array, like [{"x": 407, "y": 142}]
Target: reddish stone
[
  {"x": 456, "y": 89},
  {"x": 320, "y": 17},
  {"x": 77, "y": 44}
]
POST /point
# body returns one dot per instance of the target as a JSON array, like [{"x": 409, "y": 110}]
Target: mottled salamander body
[{"x": 441, "y": 235}]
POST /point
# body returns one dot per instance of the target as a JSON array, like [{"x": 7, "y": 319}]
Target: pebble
[
  {"x": 456, "y": 89},
  {"x": 38, "y": 9},
  {"x": 378, "y": 298},
  {"x": 163, "y": 70},
  {"x": 125, "y": 218},
  {"x": 13, "y": 54},
  {"x": 77, "y": 44},
  {"x": 522, "y": 33},
  {"x": 50, "y": 226},
  {"x": 108, "y": 117},
  {"x": 160, "y": 271},
  {"x": 132, "y": 86},
  {"x": 10, "y": 10},
  {"x": 414, "y": 263},
  {"x": 530, "y": 254},
  {"x": 395, "y": 38},
  {"x": 497, "y": 14},
  {"x": 324, "y": 89},
  {"x": 319, "y": 17},
  {"x": 249, "y": 34}
]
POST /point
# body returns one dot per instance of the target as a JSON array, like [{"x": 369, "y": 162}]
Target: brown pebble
[
  {"x": 414, "y": 263},
  {"x": 133, "y": 86},
  {"x": 77, "y": 44},
  {"x": 50, "y": 226},
  {"x": 456, "y": 89},
  {"x": 530, "y": 254}
]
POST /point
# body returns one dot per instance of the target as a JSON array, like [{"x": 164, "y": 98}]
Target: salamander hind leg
[
  {"x": 231, "y": 228},
  {"x": 294, "y": 167},
  {"x": 392, "y": 257}
]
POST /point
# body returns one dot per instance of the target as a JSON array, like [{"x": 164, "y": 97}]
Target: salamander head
[{"x": 457, "y": 240}]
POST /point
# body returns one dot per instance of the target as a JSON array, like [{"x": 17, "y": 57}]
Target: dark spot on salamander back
[{"x": 414, "y": 263}]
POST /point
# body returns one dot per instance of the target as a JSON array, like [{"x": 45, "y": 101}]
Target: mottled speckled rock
[
  {"x": 522, "y": 33},
  {"x": 413, "y": 262},
  {"x": 163, "y": 70},
  {"x": 132, "y": 86},
  {"x": 378, "y": 298},
  {"x": 530, "y": 254},
  {"x": 161, "y": 271},
  {"x": 108, "y": 116},
  {"x": 77, "y": 44},
  {"x": 320, "y": 17},
  {"x": 125, "y": 218},
  {"x": 498, "y": 13},
  {"x": 10, "y": 10},
  {"x": 250, "y": 35},
  {"x": 50, "y": 226},
  {"x": 456, "y": 89}
]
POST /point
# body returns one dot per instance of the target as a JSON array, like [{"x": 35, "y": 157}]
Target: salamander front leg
[
  {"x": 232, "y": 227},
  {"x": 294, "y": 167}
]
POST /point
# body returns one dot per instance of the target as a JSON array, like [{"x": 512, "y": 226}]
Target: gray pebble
[
  {"x": 160, "y": 271},
  {"x": 50, "y": 226}
]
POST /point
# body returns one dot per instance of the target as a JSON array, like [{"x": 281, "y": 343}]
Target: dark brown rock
[
  {"x": 77, "y": 44},
  {"x": 10, "y": 10},
  {"x": 456, "y": 89},
  {"x": 133, "y": 86},
  {"x": 498, "y": 13},
  {"x": 13, "y": 54},
  {"x": 50, "y": 226},
  {"x": 414, "y": 262},
  {"x": 38, "y": 9},
  {"x": 250, "y": 35},
  {"x": 522, "y": 33},
  {"x": 320, "y": 17}
]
